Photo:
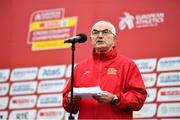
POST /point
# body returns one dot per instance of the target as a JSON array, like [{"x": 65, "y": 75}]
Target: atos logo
[{"x": 52, "y": 72}]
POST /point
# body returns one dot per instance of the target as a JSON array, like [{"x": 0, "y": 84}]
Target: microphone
[{"x": 80, "y": 38}]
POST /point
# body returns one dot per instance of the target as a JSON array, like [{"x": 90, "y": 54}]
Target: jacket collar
[{"x": 105, "y": 56}]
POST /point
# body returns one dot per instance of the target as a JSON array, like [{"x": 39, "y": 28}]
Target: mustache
[{"x": 100, "y": 40}]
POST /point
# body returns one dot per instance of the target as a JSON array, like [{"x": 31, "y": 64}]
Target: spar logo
[
  {"x": 51, "y": 113},
  {"x": 169, "y": 94},
  {"x": 23, "y": 102},
  {"x": 140, "y": 21},
  {"x": 49, "y": 28}
]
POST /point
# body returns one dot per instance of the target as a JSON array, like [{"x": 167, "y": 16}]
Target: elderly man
[{"x": 123, "y": 90}]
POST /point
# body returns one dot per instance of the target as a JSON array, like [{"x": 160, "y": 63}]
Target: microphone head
[{"x": 83, "y": 37}]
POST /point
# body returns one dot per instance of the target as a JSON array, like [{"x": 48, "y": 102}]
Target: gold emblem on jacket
[{"x": 112, "y": 71}]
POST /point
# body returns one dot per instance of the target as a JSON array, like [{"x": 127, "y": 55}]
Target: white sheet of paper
[{"x": 87, "y": 91}]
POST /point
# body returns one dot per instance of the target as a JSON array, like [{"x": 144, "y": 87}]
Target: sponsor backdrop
[{"x": 35, "y": 63}]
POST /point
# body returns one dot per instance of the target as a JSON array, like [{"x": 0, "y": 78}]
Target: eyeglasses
[{"x": 104, "y": 32}]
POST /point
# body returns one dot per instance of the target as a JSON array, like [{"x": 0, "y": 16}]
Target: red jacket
[{"x": 116, "y": 74}]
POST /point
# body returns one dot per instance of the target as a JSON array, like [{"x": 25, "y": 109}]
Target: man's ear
[{"x": 91, "y": 39}]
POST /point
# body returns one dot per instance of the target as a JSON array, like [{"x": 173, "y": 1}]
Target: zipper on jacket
[{"x": 100, "y": 72}]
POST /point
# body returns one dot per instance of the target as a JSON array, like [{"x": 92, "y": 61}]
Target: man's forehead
[{"x": 102, "y": 26}]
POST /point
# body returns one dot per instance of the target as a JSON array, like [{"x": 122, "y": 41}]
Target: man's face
[{"x": 102, "y": 38}]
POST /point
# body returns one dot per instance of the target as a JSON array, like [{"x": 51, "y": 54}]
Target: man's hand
[
  {"x": 75, "y": 99},
  {"x": 104, "y": 97}
]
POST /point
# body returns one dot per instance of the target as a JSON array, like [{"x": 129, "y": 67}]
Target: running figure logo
[{"x": 126, "y": 21}]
